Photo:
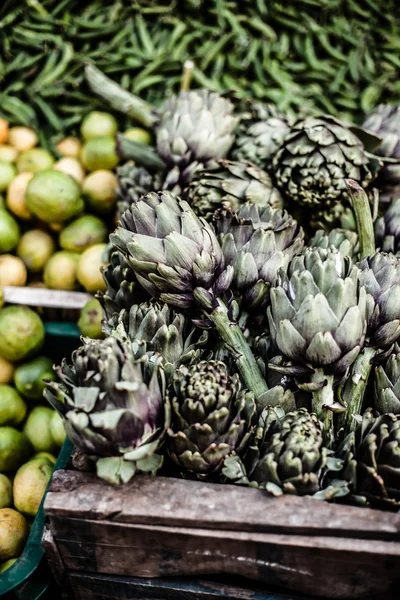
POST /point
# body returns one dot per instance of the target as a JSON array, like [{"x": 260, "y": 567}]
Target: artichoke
[
  {"x": 212, "y": 418},
  {"x": 372, "y": 461},
  {"x": 288, "y": 455},
  {"x": 317, "y": 157},
  {"x": 387, "y": 229},
  {"x": 133, "y": 183},
  {"x": 173, "y": 252},
  {"x": 380, "y": 276},
  {"x": 343, "y": 240},
  {"x": 387, "y": 386},
  {"x": 227, "y": 184},
  {"x": 261, "y": 131},
  {"x": 385, "y": 122},
  {"x": 256, "y": 241},
  {"x": 113, "y": 407}
]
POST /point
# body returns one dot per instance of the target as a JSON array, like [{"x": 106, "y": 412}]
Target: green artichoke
[
  {"x": 385, "y": 122},
  {"x": 387, "y": 386},
  {"x": 173, "y": 252},
  {"x": 212, "y": 418},
  {"x": 317, "y": 157},
  {"x": 287, "y": 455},
  {"x": 387, "y": 229},
  {"x": 380, "y": 276},
  {"x": 372, "y": 461},
  {"x": 256, "y": 241},
  {"x": 261, "y": 131},
  {"x": 113, "y": 407},
  {"x": 227, "y": 184},
  {"x": 343, "y": 240},
  {"x": 133, "y": 183}
]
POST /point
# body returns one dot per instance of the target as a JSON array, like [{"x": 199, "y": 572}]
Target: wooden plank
[
  {"x": 54, "y": 560},
  {"x": 323, "y": 566},
  {"x": 88, "y": 586},
  {"x": 173, "y": 502}
]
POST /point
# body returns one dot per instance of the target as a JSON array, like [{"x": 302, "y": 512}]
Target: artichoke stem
[
  {"x": 362, "y": 210},
  {"x": 187, "y": 75},
  {"x": 322, "y": 399},
  {"x": 237, "y": 345},
  {"x": 119, "y": 98},
  {"x": 354, "y": 390},
  {"x": 142, "y": 154}
]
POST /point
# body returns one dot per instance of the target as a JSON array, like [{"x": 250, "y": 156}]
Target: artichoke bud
[
  {"x": 343, "y": 240},
  {"x": 387, "y": 386}
]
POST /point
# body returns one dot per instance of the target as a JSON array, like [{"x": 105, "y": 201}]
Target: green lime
[
  {"x": 57, "y": 429},
  {"x": 98, "y": 124},
  {"x": 99, "y": 153},
  {"x": 82, "y": 233},
  {"x": 90, "y": 263},
  {"x": 99, "y": 190},
  {"x": 35, "y": 248},
  {"x": 138, "y": 135},
  {"x": 9, "y": 232},
  {"x": 14, "y": 531},
  {"x": 12, "y": 407},
  {"x": 60, "y": 271},
  {"x": 90, "y": 320},
  {"x": 46, "y": 456},
  {"x": 30, "y": 484},
  {"x": 37, "y": 429},
  {"x": 7, "y": 174},
  {"x": 3, "y": 205},
  {"x": 15, "y": 449},
  {"x": 53, "y": 196},
  {"x": 28, "y": 377},
  {"x": 6, "y": 498},
  {"x": 21, "y": 333},
  {"x": 34, "y": 160}
]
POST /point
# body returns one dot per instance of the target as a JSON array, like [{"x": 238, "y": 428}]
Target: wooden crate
[{"x": 165, "y": 527}]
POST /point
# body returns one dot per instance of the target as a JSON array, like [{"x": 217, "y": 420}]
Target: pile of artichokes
[{"x": 242, "y": 344}]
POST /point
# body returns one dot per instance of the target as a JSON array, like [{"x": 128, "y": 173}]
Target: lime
[
  {"x": 57, "y": 429},
  {"x": 98, "y": 124},
  {"x": 21, "y": 333},
  {"x": 14, "y": 531},
  {"x": 7, "y": 174},
  {"x": 35, "y": 248},
  {"x": 22, "y": 138},
  {"x": 3, "y": 131},
  {"x": 9, "y": 232},
  {"x": 46, "y": 456},
  {"x": 15, "y": 449},
  {"x": 138, "y": 135},
  {"x": 69, "y": 146},
  {"x": 6, "y": 371},
  {"x": 28, "y": 377},
  {"x": 16, "y": 192},
  {"x": 37, "y": 429},
  {"x": 99, "y": 153},
  {"x": 60, "y": 271},
  {"x": 53, "y": 196},
  {"x": 88, "y": 272},
  {"x": 30, "y": 484},
  {"x": 5, "y": 491},
  {"x": 34, "y": 160},
  {"x": 7, "y": 564},
  {"x": 99, "y": 190},
  {"x": 8, "y": 153},
  {"x": 70, "y": 166},
  {"x": 90, "y": 319},
  {"x": 12, "y": 270},
  {"x": 82, "y": 233},
  {"x": 12, "y": 408}
]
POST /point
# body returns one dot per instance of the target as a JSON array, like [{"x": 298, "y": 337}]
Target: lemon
[
  {"x": 88, "y": 272},
  {"x": 22, "y": 138},
  {"x": 30, "y": 484},
  {"x": 70, "y": 146},
  {"x": 7, "y": 174},
  {"x": 46, "y": 456},
  {"x": 99, "y": 190},
  {"x": 37, "y": 429},
  {"x": 83, "y": 233},
  {"x": 35, "y": 248},
  {"x": 7, "y": 564},
  {"x": 12, "y": 408},
  {"x": 12, "y": 270},
  {"x": 60, "y": 271},
  {"x": 21, "y": 333},
  {"x": 57, "y": 429},
  {"x": 9, "y": 232},
  {"x": 99, "y": 153},
  {"x": 6, "y": 371},
  {"x": 34, "y": 160},
  {"x": 15, "y": 449},
  {"x": 8, "y": 153},
  {"x": 16, "y": 192},
  {"x": 70, "y": 166},
  {"x": 6, "y": 497},
  {"x": 3, "y": 131},
  {"x": 14, "y": 531},
  {"x": 53, "y": 196},
  {"x": 90, "y": 319},
  {"x": 138, "y": 135},
  {"x": 98, "y": 124}
]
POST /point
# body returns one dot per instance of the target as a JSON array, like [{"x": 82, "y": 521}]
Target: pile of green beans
[{"x": 335, "y": 56}]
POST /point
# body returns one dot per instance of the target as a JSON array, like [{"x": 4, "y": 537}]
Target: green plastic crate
[{"x": 30, "y": 577}]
